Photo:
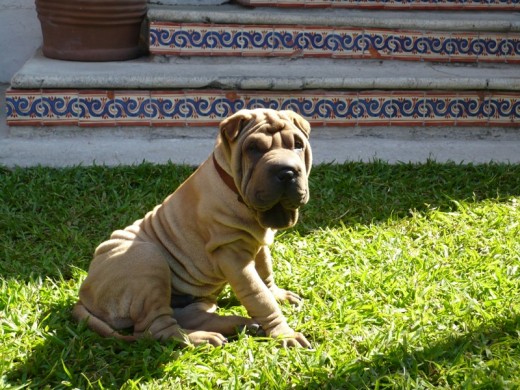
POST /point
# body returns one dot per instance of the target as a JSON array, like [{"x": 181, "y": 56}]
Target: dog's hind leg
[
  {"x": 81, "y": 313},
  {"x": 201, "y": 316},
  {"x": 128, "y": 285}
]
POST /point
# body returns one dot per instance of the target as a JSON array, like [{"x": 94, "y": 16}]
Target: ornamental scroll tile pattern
[
  {"x": 391, "y": 4},
  {"x": 309, "y": 41},
  {"x": 209, "y": 107}
]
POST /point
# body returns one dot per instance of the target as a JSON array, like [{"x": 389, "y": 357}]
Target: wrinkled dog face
[{"x": 272, "y": 160}]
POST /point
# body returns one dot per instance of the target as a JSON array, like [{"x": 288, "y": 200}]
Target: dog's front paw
[
  {"x": 296, "y": 340},
  {"x": 198, "y": 337},
  {"x": 288, "y": 337}
]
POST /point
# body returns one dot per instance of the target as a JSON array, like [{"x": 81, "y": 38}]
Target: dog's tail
[{"x": 81, "y": 313}]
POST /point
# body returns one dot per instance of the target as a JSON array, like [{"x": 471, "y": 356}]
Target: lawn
[{"x": 410, "y": 274}]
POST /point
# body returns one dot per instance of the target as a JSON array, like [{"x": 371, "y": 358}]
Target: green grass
[{"x": 410, "y": 273}]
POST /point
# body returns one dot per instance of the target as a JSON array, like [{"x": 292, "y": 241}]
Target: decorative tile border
[
  {"x": 390, "y": 4},
  {"x": 309, "y": 41},
  {"x": 209, "y": 107}
]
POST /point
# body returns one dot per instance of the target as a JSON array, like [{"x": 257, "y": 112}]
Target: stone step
[
  {"x": 405, "y": 19},
  {"x": 390, "y": 4},
  {"x": 436, "y": 36},
  {"x": 248, "y": 73},
  {"x": 198, "y": 91}
]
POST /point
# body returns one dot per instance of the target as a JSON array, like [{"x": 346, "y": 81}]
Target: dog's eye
[
  {"x": 253, "y": 147},
  {"x": 298, "y": 145}
]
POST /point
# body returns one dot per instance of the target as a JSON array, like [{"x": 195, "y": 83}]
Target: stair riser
[
  {"x": 391, "y": 4},
  {"x": 310, "y": 41},
  {"x": 209, "y": 107}
]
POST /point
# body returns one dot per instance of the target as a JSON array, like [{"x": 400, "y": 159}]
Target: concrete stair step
[
  {"x": 389, "y": 4},
  {"x": 436, "y": 36},
  {"x": 201, "y": 91},
  {"x": 403, "y": 19},
  {"x": 246, "y": 73}
]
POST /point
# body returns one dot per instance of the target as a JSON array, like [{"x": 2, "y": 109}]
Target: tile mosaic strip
[
  {"x": 209, "y": 107},
  {"x": 308, "y": 41},
  {"x": 390, "y": 4}
]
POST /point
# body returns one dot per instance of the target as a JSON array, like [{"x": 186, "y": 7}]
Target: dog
[{"x": 161, "y": 275}]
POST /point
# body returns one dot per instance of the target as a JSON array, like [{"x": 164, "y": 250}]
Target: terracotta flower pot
[{"x": 91, "y": 30}]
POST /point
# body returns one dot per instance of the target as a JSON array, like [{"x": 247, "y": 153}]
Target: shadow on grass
[
  {"x": 358, "y": 193},
  {"x": 466, "y": 361},
  {"x": 66, "y": 358},
  {"x": 52, "y": 219}
]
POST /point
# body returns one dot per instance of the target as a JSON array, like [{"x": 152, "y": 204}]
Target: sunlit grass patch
[{"x": 410, "y": 273}]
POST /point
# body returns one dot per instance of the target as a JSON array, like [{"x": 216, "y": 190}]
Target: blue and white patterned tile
[
  {"x": 508, "y": 47},
  {"x": 162, "y": 38},
  {"x": 346, "y": 43},
  {"x": 209, "y": 107},
  {"x": 200, "y": 40},
  {"x": 456, "y": 109},
  {"x": 373, "y": 109},
  {"x": 22, "y": 107},
  {"x": 231, "y": 102},
  {"x": 512, "y": 48},
  {"x": 205, "y": 108},
  {"x": 284, "y": 42},
  {"x": 165, "y": 108},
  {"x": 471, "y": 109},
  {"x": 96, "y": 108},
  {"x": 132, "y": 108},
  {"x": 406, "y": 108},
  {"x": 438, "y": 109},
  {"x": 257, "y": 41},
  {"x": 382, "y": 44},
  {"x": 230, "y": 40},
  {"x": 504, "y": 109},
  {"x": 496, "y": 47},
  {"x": 315, "y": 41},
  {"x": 334, "y": 109},
  {"x": 59, "y": 107}
]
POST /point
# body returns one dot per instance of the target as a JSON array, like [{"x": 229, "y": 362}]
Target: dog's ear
[
  {"x": 299, "y": 122},
  {"x": 231, "y": 127}
]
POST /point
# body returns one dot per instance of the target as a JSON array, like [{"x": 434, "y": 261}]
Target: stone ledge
[
  {"x": 120, "y": 150},
  {"x": 276, "y": 74},
  {"x": 422, "y": 20},
  {"x": 387, "y": 4}
]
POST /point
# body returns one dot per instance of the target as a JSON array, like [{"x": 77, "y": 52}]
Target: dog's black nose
[{"x": 286, "y": 175}]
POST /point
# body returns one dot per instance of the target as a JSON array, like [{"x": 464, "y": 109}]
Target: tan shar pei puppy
[{"x": 161, "y": 276}]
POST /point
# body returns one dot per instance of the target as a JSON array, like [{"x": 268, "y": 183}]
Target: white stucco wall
[{"x": 20, "y": 35}]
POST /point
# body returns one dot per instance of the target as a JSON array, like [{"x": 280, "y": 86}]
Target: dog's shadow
[{"x": 70, "y": 353}]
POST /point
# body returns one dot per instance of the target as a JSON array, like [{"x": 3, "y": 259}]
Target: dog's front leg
[
  {"x": 239, "y": 270},
  {"x": 264, "y": 267}
]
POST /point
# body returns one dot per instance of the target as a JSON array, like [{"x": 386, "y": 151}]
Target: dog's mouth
[
  {"x": 278, "y": 217},
  {"x": 279, "y": 212}
]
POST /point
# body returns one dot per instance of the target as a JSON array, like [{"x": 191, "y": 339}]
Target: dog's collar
[{"x": 227, "y": 178}]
